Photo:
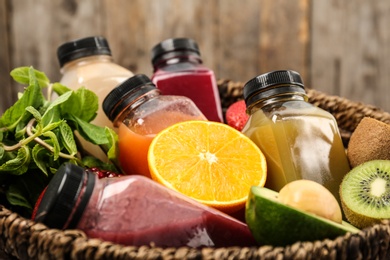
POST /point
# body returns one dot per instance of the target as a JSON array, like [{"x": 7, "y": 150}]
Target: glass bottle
[
  {"x": 298, "y": 139},
  {"x": 179, "y": 70},
  {"x": 134, "y": 210},
  {"x": 88, "y": 62},
  {"x": 139, "y": 112}
]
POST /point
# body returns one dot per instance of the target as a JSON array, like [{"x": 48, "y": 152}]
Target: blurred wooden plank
[
  {"x": 284, "y": 36},
  {"x": 226, "y": 31},
  {"x": 339, "y": 47},
  {"x": 238, "y": 39},
  {"x": 5, "y": 66},
  {"x": 134, "y": 32},
  {"x": 350, "y": 50},
  {"x": 39, "y": 27},
  {"x": 126, "y": 33}
]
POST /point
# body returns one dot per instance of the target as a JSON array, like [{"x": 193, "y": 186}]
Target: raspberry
[
  {"x": 104, "y": 173},
  {"x": 236, "y": 115}
]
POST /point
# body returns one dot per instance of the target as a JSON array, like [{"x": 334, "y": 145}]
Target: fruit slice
[
  {"x": 370, "y": 141},
  {"x": 207, "y": 161},
  {"x": 365, "y": 193},
  {"x": 274, "y": 223}
]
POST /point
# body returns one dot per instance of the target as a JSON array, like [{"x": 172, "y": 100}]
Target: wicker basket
[{"x": 21, "y": 238}]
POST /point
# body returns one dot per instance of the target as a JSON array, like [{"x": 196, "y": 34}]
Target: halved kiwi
[
  {"x": 365, "y": 193},
  {"x": 370, "y": 141}
]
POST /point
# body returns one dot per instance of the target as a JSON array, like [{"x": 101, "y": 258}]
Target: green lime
[{"x": 276, "y": 224}]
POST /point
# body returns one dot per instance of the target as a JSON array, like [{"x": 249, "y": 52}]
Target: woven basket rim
[{"x": 22, "y": 238}]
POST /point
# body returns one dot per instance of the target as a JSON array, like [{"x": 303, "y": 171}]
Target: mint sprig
[{"x": 37, "y": 136}]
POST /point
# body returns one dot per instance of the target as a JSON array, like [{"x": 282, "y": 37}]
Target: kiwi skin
[
  {"x": 358, "y": 220},
  {"x": 370, "y": 141},
  {"x": 359, "y": 215}
]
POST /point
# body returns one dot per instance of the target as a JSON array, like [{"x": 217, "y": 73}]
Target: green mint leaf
[
  {"x": 53, "y": 112},
  {"x": 35, "y": 113},
  {"x": 92, "y": 133},
  {"x": 7, "y": 155},
  {"x": 15, "y": 196},
  {"x": 112, "y": 145},
  {"x": 19, "y": 164},
  {"x": 40, "y": 181},
  {"x": 17, "y": 112},
  {"x": 52, "y": 117},
  {"x": 39, "y": 155},
  {"x": 55, "y": 144},
  {"x": 60, "y": 89},
  {"x": 58, "y": 101},
  {"x": 52, "y": 126},
  {"x": 23, "y": 75},
  {"x": 25, "y": 189},
  {"x": 82, "y": 104},
  {"x": 67, "y": 138},
  {"x": 20, "y": 132},
  {"x": 90, "y": 161},
  {"x": 89, "y": 104}
]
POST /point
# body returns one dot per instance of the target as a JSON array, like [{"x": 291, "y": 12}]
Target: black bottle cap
[
  {"x": 62, "y": 194},
  {"x": 172, "y": 46},
  {"x": 272, "y": 83},
  {"x": 123, "y": 95},
  {"x": 96, "y": 45}
]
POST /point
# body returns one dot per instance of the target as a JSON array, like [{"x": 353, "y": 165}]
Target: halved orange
[{"x": 210, "y": 162}]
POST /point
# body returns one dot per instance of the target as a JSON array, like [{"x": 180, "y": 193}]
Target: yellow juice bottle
[{"x": 298, "y": 139}]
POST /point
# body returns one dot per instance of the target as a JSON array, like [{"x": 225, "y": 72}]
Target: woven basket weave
[{"x": 21, "y": 238}]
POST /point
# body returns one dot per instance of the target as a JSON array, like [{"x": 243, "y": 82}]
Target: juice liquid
[
  {"x": 132, "y": 212},
  {"x": 300, "y": 147},
  {"x": 176, "y": 232},
  {"x": 197, "y": 84},
  {"x": 134, "y": 141}
]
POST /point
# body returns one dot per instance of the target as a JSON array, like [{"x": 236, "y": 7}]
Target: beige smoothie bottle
[{"x": 88, "y": 62}]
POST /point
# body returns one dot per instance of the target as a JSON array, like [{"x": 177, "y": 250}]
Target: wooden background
[{"x": 340, "y": 47}]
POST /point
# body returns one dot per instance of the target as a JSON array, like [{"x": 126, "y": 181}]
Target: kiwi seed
[
  {"x": 365, "y": 193},
  {"x": 370, "y": 141}
]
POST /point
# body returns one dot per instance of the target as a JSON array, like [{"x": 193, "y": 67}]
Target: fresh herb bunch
[{"x": 37, "y": 136}]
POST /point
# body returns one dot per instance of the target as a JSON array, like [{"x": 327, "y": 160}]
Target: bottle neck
[
  {"x": 267, "y": 104},
  {"x": 173, "y": 58},
  {"x": 86, "y": 60},
  {"x": 134, "y": 104}
]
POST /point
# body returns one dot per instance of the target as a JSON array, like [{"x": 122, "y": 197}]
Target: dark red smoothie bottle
[
  {"x": 134, "y": 210},
  {"x": 179, "y": 70}
]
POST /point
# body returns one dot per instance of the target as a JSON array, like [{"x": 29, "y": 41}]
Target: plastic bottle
[
  {"x": 88, "y": 62},
  {"x": 140, "y": 112},
  {"x": 298, "y": 139},
  {"x": 134, "y": 210},
  {"x": 178, "y": 70}
]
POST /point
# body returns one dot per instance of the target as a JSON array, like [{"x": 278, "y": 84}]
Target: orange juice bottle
[
  {"x": 298, "y": 139},
  {"x": 139, "y": 112}
]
